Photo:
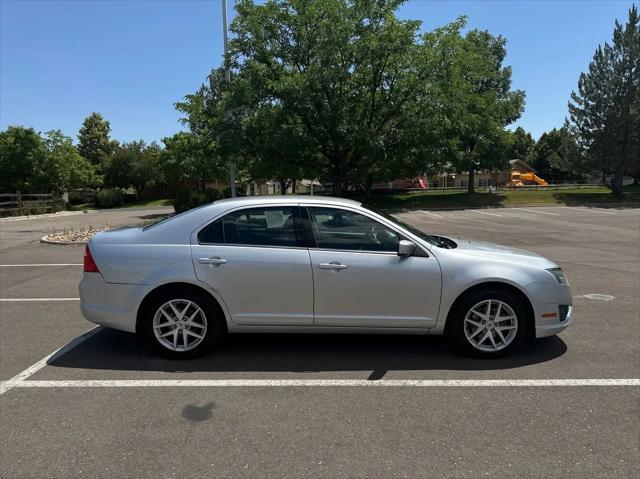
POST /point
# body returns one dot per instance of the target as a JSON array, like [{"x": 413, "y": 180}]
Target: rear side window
[{"x": 268, "y": 226}]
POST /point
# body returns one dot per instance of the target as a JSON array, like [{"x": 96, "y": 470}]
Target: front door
[
  {"x": 252, "y": 259},
  {"x": 359, "y": 279}
]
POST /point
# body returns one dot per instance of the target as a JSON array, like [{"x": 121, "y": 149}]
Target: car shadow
[{"x": 115, "y": 350}]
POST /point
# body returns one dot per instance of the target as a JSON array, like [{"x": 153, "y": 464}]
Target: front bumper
[
  {"x": 547, "y": 297},
  {"x": 544, "y": 330},
  {"x": 109, "y": 304}
]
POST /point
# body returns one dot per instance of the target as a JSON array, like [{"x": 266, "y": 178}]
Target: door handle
[
  {"x": 212, "y": 260},
  {"x": 333, "y": 265}
]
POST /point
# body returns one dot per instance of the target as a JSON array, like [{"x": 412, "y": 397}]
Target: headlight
[{"x": 559, "y": 275}]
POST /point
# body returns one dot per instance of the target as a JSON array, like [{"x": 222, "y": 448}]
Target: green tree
[
  {"x": 21, "y": 149},
  {"x": 482, "y": 102},
  {"x": 521, "y": 145},
  {"x": 189, "y": 158},
  {"x": 603, "y": 110},
  {"x": 349, "y": 73},
  {"x": 215, "y": 116},
  {"x": 556, "y": 156},
  {"x": 94, "y": 143},
  {"x": 276, "y": 148},
  {"x": 62, "y": 168},
  {"x": 133, "y": 164}
]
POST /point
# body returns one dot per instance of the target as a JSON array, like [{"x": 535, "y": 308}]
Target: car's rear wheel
[
  {"x": 489, "y": 323},
  {"x": 181, "y": 324}
]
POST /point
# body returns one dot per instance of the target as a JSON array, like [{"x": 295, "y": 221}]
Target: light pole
[{"x": 227, "y": 77}]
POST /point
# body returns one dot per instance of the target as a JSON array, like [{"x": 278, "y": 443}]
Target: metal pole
[{"x": 227, "y": 77}]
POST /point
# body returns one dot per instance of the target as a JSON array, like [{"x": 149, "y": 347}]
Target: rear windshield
[{"x": 171, "y": 217}]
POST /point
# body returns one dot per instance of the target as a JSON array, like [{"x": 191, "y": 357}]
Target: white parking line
[
  {"x": 484, "y": 213},
  {"x": 38, "y": 265},
  {"x": 588, "y": 210},
  {"x": 128, "y": 383},
  {"x": 20, "y": 377},
  {"x": 27, "y": 300},
  {"x": 432, "y": 214},
  {"x": 535, "y": 211}
]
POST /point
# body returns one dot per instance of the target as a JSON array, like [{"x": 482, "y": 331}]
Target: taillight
[{"x": 90, "y": 265}]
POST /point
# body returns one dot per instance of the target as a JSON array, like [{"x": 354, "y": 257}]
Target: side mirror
[{"x": 406, "y": 248}]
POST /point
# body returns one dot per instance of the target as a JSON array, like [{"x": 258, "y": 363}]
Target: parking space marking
[
  {"x": 38, "y": 265},
  {"x": 484, "y": 213},
  {"x": 588, "y": 210},
  {"x": 535, "y": 211},
  {"x": 19, "y": 378},
  {"x": 27, "y": 300},
  {"x": 430, "y": 383},
  {"x": 432, "y": 214}
]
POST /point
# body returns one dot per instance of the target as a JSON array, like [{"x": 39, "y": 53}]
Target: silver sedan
[{"x": 315, "y": 265}]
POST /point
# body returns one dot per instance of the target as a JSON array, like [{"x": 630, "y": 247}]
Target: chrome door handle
[
  {"x": 212, "y": 260},
  {"x": 332, "y": 265}
]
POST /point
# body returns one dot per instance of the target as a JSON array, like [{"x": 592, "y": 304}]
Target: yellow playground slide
[{"x": 523, "y": 179}]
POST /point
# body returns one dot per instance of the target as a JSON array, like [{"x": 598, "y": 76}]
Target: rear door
[
  {"x": 252, "y": 258},
  {"x": 359, "y": 279}
]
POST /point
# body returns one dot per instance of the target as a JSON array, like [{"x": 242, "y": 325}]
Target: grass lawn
[
  {"x": 144, "y": 203},
  {"x": 440, "y": 199},
  {"x": 134, "y": 204}
]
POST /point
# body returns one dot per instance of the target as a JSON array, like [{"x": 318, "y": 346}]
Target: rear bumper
[{"x": 109, "y": 304}]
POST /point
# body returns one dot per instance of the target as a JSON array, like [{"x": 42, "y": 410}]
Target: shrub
[
  {"x": 109, "y": 198},
  {"x": 188, "y": 199}
]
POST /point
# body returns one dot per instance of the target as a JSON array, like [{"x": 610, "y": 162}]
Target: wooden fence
[{"x": 17, "y": 204}]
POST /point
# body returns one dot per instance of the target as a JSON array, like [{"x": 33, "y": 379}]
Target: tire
[
  {"x": 477, "y": 331},
  {"x": 181, "y": 323}
]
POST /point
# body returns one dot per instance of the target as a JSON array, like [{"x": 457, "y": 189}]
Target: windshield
[{"x": 431, "y": 239}]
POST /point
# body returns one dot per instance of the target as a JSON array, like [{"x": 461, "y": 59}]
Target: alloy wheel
[
  {"x": 180, "y": 325},
  {"x": 490, "y": 325}
]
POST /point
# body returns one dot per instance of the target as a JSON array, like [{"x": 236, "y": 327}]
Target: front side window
[
  {"x": 335, "y": 228},
  {"x": 267, "y": 226}
]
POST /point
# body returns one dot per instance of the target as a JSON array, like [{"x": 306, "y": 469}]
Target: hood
[{"x": 500, "y": 253}]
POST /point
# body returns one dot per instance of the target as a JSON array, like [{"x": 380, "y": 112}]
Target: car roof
[
  {"x": 287, "y": 199},
  {"x": 173, "y": 230}
]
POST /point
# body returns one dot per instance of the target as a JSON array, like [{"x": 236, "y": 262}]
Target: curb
[
  {"x": 47, "y": 215},
  {"x": 45, "y": 239}
]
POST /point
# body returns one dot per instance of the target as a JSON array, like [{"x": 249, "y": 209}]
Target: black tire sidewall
[
  {"x": 215, "y": 329},
  {"x": 456, "y": 328}
]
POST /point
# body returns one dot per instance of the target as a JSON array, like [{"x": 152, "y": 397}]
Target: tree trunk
[
  {"x": 472, "y": 181},
  {"x": 283, "y": 186},
  {"x": 293, "y": 186},
  {"x": 367, "y": 186},
  {"x": 140, "y": 189},
  {"x": 336, "y": 160},
  {"x": 636, "y": 180},
  {"x": 337, "y": 183},
  {"x": 616, "y": 182}
]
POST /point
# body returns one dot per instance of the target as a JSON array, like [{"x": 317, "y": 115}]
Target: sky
[{"x": 132, "y": 60}]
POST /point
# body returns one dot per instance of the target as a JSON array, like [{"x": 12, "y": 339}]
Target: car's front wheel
[
  {"x": 489, "y": 323},
  {"x": 181, "y": 324}
]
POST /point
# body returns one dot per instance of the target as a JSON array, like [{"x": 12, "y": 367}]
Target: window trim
[
  {"x": 400, "y": 234},
  {"x": 302, "y": 214},
  {"x": 296, "y": 225}
]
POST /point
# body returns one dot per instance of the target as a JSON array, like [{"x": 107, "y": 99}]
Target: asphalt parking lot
[{"x": 275, "y": 406}]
